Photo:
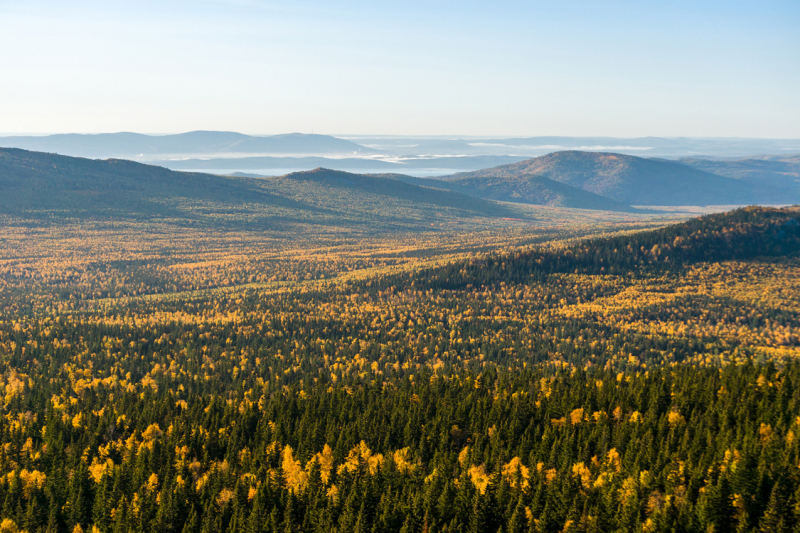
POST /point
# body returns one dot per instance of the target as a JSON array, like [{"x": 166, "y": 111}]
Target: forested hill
[
  {"x": 36, "y": 184},
  {"x": 41, "y": 182},
  {"x": 388, "y": 185},
  {"x": 535, "y": 190},
  {"x": 780, "y": 174},
  {"x": 741, "y": 234},
  {"x": 623, "y": 178},
  {"x": 737, "y": 235}
]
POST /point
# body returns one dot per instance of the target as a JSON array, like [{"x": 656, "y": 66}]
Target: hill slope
[
  {"x": 39, "y": 184},
  {"x": 742, "y": 234},
  {"x": 775, "y": 179},
  {"x": 623, "y": 178},
  {"x": 391, "y": 186},
  {"x": 535, "y": 190}
]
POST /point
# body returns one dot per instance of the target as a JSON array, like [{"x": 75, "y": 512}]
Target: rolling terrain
[
  {"x": 334, "y": 352},
  {"x": 348, "y": 164},
  {"x": 48, "y": 185},
  {"x": 35, "y": 182},
  {"x": 622, "y": 178},
  {"x": 424, "y": 156},
  {"x": 191, "y": 381},
  {"x": 532, "y": 190},
  {"x": 780, "y": 175},
  {"x": 535, "y": 146},
  {"x": 137, "y": 146}
]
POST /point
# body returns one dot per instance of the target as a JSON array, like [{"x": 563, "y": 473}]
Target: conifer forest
[{"x": 640, "y": 376}]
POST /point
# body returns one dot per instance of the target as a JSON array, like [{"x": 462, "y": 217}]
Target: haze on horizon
[{"x": 576, "y": 68}]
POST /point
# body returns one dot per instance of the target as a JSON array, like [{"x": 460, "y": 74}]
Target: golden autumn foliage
[
  {"x": 403, "y": 460},
  {"x": 152, "y": 482},
  {"x": 516, "y": 474},
  {"x": 390, "y": 367},
  {"x": 463, "y": 456},
  {"x": 675, "y": 419},
  {"x": 293, "y": 473},
  {"x": 99, "y": 468},
  {"x": 479, "y": 477},
  {"x": 325, "y": 461},
  {"x": 8, "y": 526},
  {"x": 613, "y": 459},
  {"x": 583, "y": 474}
]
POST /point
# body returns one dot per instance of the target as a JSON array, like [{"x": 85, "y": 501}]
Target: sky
[{"x": 697, "y": 68}]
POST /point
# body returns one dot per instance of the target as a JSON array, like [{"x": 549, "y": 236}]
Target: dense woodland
[{"x": 646, "y": 381}]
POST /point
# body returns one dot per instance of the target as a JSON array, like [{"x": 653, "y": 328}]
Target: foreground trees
[
  {"x": 683, "y": 448},
  {"x": 491, "y": 393}
]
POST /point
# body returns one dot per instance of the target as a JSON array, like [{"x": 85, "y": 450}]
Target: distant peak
[
  {"x": 298, "y": 134},
  {"x": 323, "y": 170}
]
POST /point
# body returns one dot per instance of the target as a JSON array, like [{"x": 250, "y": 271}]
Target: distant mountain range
[
  {"x": 780, "y": 174},
  {"x": 56, "y": 185},
  {"x": 626, "y": 179},
  {"x": 350, "y": 164},
  {"x": 221, "y": 144},
  {"x": 669, "y": 147},
  {"x": 535, "y": 190},
  {"x": 35, "y": 184},
  {"x": 136, "y": 145}
]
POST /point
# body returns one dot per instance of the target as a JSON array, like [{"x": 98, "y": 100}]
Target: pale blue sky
[{"x": 617, "y": 68}]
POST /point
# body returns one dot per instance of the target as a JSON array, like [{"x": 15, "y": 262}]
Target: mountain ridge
[
  {"x": 346, "y": 164},
  {"x": 52, "y": 185},
  {"x": 780, "y": 174},
  {"x": 135, "y": 145},
  {"x": 623, "y": 178},
  {"x": 534, "y": 191}
]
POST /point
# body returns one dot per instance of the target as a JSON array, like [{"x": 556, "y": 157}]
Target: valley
[{"x": 330, "y": 351}]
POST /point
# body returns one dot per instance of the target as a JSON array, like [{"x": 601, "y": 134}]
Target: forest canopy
[{"x": 495, "y": 380}]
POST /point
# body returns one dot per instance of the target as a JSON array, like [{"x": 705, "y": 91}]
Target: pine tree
[
  {"x": 31, "y": 522},
  {"x": 478, "y": 519},
  {"x": 100, "y": 510},
  {"x": 121, "y": 516},
  {"x": 774, "y": 519},
  {"x": 516, "y": 523},
  {"x": 289, "y": 520},
  {"x": 361, "y": 525}
]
